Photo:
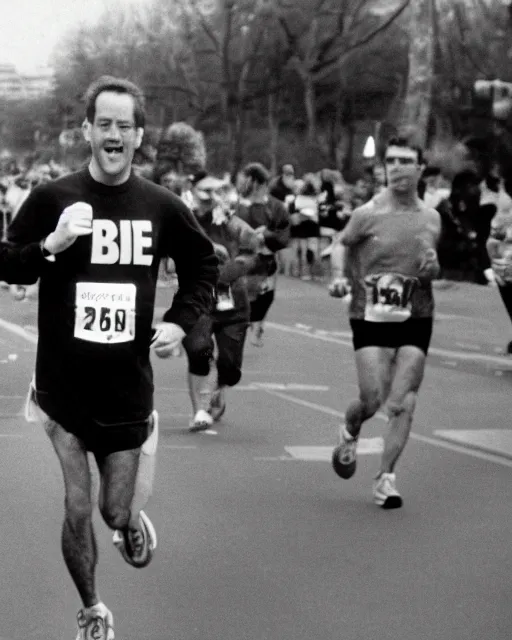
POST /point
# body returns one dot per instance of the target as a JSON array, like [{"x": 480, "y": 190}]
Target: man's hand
[
  {"x": 339, "y": 288},
  {"x": 260, "y": 233},
  {"x": 167, "y": 338},
  {"x": 429, "y": 264},
  {"x": 74, "y": 221}
]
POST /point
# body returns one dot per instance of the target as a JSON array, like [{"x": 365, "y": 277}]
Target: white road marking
[
  {"x": 365, "y": 446},
  {"x": 18, "y": 330},
  {"x": 489, "y": 440},
  {"x": 435, "y": 442},
  {"x": 318, "y": 407},
  {"x": 445, "y": 353},
  {"x": 463, "y": 345},
  {"x": 261, "y": 386},
  {"x": 177, "y": 446},
  {"x": 253, "y": 372},
  {"x": 290, "y": 386}
]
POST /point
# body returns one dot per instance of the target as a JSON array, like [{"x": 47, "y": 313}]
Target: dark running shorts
[
  {"x": 415, "y": 332},
  {"x": 260, "y": 306},
  {"x": 98, "y": 437}
]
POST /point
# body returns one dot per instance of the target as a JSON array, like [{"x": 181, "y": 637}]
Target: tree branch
[
  {"x": 382, "y": 27},
  {"x": 206, "y": 27}
]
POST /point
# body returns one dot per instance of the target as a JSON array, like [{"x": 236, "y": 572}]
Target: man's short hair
[
  {"x": 117, "y": 85},
  {"x": 406, "y": 141},
  {"x": 257, "y": 172}
]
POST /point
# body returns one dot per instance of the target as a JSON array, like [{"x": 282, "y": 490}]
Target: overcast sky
[{"x": 29, "y": 29}]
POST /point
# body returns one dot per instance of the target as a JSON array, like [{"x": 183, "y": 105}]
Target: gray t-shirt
[{"x": 385, "y": 249}]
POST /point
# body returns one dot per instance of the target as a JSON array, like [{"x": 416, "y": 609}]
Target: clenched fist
[
  {"x": 339, "y": 288},
  {"x": 166, "y": 339},
  {"x": 74, "y": 221}
]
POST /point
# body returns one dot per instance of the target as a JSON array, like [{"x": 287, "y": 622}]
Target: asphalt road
[{"x": 258, "y": 538}]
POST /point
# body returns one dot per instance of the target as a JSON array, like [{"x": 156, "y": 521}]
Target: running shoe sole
[
  {"x": 200, "y": 426},
  {"x": 119, "y": 543},
  {"x": 390, "y": 502},
  {"x": 342, "y": 469}
]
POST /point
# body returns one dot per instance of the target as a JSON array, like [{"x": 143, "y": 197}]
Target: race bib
[
  {"x": 388, "y": 297},
  {"x": 105, "y": 312},
  {"x": 225, "y": 301}
]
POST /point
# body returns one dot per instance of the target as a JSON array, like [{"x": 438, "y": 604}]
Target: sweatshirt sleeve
[
  {"x": 37, "y": 217},
  {"x": 245, "y": 238},
  {"x": 21, "y": 264},
  {"x": 196, "y": 266},
  {"x": 21, "y": 258}
]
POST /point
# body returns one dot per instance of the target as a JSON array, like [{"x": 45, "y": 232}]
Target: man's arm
[
  {"x": 196, "y": 267},
  {"x": 343, "y": 244},
  {"x": 429, "y": 265},
  {"x": 278, "y": 236},
  {"x": 21, "y": 264},
  {"x": 498, "y": 234},
  {"x": 25, "y": 257},
  {"x": 246, "y": 240}
]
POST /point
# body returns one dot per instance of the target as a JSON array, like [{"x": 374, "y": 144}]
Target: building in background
[{"x": 24, "y": 85}]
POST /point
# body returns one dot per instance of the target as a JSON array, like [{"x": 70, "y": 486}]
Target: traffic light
[{"x": 492, "y": 98}]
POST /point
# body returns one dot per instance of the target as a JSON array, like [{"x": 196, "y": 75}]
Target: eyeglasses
[{"x": 401, "y": 160}]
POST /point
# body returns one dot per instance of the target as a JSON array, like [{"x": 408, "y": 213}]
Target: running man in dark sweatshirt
[{"x": 93, "y": 386}]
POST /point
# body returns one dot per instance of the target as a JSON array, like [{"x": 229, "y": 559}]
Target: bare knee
[
  {"x": 78, "y": 507},
  {"x": 115, "y": 516},
  {"x": 405, "y": 405}
]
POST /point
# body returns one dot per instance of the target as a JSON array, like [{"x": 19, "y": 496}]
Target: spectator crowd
[{"x": 320, "y": 205}]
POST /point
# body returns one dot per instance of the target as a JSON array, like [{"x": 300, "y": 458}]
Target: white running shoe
[
  {"x": 201, "y": 421},
  {"x": 95, "y": 622},
  {"x": 137, "y": 546},
  {"x": 385, "y": 493}
]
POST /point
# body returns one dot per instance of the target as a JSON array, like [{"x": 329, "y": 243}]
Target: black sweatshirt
[{"x": 96, "y": 300}]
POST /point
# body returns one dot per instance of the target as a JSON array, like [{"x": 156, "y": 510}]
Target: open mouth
[{"x": 113, "y": 151}]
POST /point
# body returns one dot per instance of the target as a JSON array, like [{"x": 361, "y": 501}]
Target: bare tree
[
  {"x": 329, "y": 31},
  {"x": 418, "y": 97}
]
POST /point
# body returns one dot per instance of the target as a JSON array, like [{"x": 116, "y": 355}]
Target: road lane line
[
  {"x": 475, "y": 453},
  {"x": 444, "y": 353},
  {"x": 18, "y": 330},
  {"x": 177, "y": 446}
]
